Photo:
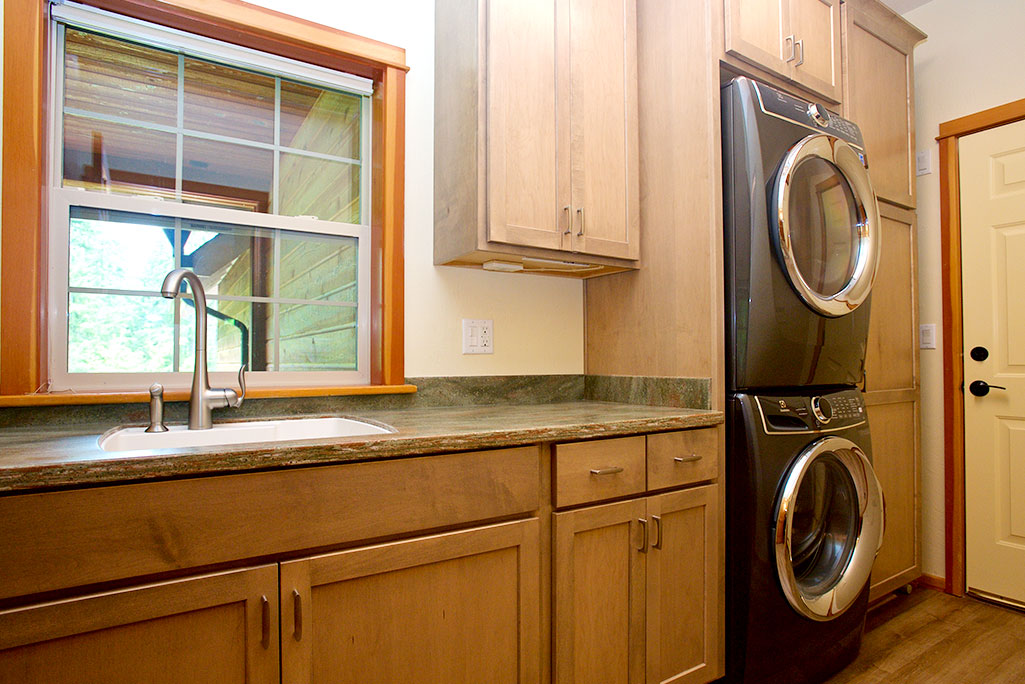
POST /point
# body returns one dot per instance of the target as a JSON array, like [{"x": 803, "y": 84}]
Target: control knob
[
  {"x": 819, "y": 114},
  {"x": 822, "y": 409}
]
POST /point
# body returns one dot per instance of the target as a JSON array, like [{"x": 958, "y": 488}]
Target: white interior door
[{"x": 992, "y": 170}]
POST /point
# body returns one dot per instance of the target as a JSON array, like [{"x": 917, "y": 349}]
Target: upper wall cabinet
[
  {"x": 536, "y": 162},
  {"x": 796, "y": 39},
  {"x": 879, "y": 94}
]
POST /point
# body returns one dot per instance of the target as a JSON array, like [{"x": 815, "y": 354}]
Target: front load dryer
[
  {"x": 804, "y": 522},
  {"x": 801, "y": 231}
]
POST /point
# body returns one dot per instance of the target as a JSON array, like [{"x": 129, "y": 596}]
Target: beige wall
[
  {"x": 539, "y": 325},
  {"x": 971, "y": 61}
]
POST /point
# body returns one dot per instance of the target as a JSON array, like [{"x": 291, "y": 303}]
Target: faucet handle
[{"x": 237, "y": 402}]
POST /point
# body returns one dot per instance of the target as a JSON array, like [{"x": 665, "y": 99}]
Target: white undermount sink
[{"x": 229, "y": 434}]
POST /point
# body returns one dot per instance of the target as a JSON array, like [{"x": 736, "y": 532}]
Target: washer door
[
  {"x": 827, "y": 226},
  {"x": 828, "y": 527}
]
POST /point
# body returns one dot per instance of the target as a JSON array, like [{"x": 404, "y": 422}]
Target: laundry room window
[{"x": 252, "y": 170}]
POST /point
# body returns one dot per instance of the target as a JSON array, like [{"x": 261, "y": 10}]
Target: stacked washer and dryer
[{"x": 804, "y": 507}]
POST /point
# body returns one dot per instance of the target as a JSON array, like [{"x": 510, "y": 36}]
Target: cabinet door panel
[
  {"x": 451, "y": 608},
  {"x": 526, "y": 194},
  {"x": 599, "y": 594},
  {"x": 684, "y": 571},
  {"x": 603, "y": 111},
  {"x": 214, "y": 629},
  {"x": 880, "y": 97},
  {"x": 891, "y": 356},
  {"x": 894, "y": 436},
  {"x": 755, "y": 30},
  {"x": 816, "y": 23}
]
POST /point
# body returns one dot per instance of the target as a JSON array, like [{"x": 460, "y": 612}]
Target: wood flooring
[{"x": 933, "y": 638}]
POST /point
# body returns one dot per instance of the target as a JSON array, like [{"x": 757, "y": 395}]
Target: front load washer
[
  {"x": 804, "y": 523},
  {"x": 801, "y": 231}
]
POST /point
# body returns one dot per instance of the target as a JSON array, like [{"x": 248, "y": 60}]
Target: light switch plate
[
  {"x": 927, "y": 336},
  {"x": 478, "y": 336},
  {"x": 923, "y": 162}
]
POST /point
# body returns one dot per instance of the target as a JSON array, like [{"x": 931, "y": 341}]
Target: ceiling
[{"x": 904, "y": 6}]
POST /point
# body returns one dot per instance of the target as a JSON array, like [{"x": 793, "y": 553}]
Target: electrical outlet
[
  {"x": 927, "y": 336},
  {"x": 478, "y": 336}
]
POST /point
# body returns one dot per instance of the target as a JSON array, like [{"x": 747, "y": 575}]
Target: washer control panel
[{"x": 817, "y": 413}]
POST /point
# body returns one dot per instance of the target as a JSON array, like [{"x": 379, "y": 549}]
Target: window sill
[{"x": 69, "y": 398}]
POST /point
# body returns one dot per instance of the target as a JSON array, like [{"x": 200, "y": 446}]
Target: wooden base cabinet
[
  {"x": 636, "y": 590},
  {"x": 213, "y": 629},
  {"x": 451, "y": 608}
]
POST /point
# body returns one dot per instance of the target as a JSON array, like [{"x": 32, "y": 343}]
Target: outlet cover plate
[
  {"x": 927, "y": 336},
  {"x": 478, "y": 336}
]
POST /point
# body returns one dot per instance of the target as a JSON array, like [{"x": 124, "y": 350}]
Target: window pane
[
  {"x": 315, "y": 187},
  {"x": 227, "y": 101},
  {"x": 113, "y": 77},
  {"x": 125, "y": 159},
  {"x": 118, "y": 250},
  {"x": 317, "y": 337},
  {"x": 320, "y": 120},
  {"x": 236, "y": 333},
  {"x": 318, "y": 267},
  {"x": 119, "y": 334},
  {"x": 224, "y": 256},
  {"x": 227, "y": 175}
]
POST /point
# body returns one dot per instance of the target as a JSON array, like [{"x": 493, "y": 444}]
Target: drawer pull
[
  {"x": 610, "y": 470},
  {"x": 687, "y": 459},
  {"x": 265, "y": 622}
]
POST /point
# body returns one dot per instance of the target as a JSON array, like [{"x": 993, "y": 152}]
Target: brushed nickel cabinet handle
[
  {"x": 569, "y": 221},
  {"x": 789, "y": 43},
  {"x": 687, "y": 459},
  {"x": 643, "y": 548},
  {"x": 608, "y": 470},
  {"x": 657, "y": 520},
  {"x": 297, "y": 615},
  {"x": 580, "y": 212},
  {"x": 264, "y": 622},
  {"x": 800, "y": 60}
]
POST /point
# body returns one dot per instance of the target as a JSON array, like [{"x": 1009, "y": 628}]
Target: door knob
[
  {"x": 979, "y": 353},
  {"x": 981, "y": 388}
]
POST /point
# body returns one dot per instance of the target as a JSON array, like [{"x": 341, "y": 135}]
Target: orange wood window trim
[
  {"x": 23, "y": 287},
  {"x": 953, "y": 330}
]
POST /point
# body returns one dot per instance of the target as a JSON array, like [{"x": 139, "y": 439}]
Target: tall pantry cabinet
[{"x": 879, "y": 97}]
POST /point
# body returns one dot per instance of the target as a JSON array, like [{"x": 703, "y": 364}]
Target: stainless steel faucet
[{"x": 203, "y": 399}]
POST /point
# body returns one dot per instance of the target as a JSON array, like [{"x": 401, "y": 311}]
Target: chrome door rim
[
  {"x": 844, "y": 158},
  {"x": 836, "y": 599}
]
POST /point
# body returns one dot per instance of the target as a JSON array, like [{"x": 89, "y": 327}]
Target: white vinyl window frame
[{"x": 61, "y": 200}]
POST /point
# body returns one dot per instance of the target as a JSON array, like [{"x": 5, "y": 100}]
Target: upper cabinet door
[
  {"x": 527, "y": 186},
  {"x": 880, "y": 94},
  {"x": 602, "y": 60},
  {"x": 815, "y": 25},
  {"x": 756, "y": 32},
  {"x": 796, "y": 39}
]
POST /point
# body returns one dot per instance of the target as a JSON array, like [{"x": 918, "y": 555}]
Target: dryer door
[
  {"x": 826, "y": 231},
  {"x": 828, "y": 527}
]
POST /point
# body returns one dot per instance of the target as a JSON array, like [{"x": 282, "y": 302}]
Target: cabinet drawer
[
  {"x": 680, "y": 458},
  {"x": 593, "y": 471}
]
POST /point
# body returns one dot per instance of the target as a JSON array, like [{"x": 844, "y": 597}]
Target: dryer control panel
[
  {"x": 808, "y": 114},
  {"x": 817, "y": 413}
]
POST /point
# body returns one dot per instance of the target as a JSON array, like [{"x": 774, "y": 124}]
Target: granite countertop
[{"x": 44, "y": 458}]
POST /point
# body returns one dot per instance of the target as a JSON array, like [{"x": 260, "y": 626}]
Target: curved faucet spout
[{"x": 169, "y": 289}]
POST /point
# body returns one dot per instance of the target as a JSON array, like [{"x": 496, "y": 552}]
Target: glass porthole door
[
  {"x": 826, "y": 231},
  {"x": 828, "y": 528}
]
